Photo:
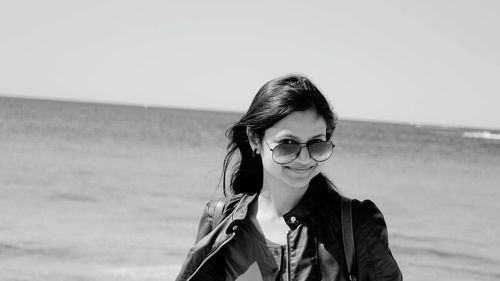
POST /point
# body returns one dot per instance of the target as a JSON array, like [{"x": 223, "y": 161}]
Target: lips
[{"x": 301, "y": 170}]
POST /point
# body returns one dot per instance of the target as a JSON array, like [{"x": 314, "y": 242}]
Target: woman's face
[{"x": 298, "y": 127}]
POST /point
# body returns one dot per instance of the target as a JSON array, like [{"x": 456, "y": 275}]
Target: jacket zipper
[
  {"x": 288, "y": 274},
  {"x": 210, "y": 255}
]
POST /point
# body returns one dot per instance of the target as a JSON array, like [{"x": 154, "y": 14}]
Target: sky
[{"x": 426, "y": 62}]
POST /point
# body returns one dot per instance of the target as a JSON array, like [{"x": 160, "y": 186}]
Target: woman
[{"x": 281, "y": 219}]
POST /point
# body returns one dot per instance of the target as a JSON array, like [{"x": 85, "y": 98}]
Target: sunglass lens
[
  {"x": 321, "y": 151},
  {"x": 285, "y": 152}
]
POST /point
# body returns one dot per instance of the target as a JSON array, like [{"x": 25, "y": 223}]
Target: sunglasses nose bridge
[{"x": 300, "y": 155}]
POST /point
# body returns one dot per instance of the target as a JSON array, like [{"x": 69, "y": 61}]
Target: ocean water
[{"x": 108, "y": 192}]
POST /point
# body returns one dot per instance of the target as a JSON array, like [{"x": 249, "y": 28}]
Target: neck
[{"x": 275, "y": 200}]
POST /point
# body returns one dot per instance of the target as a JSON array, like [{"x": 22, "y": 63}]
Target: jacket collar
[
  {"x": 307, "y": 206},
  {"x": 240, "y": 210}
]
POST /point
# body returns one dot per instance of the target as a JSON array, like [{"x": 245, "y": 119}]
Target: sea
[{"x": 114, "y": 192}]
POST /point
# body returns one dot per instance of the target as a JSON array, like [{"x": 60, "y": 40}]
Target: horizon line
[{"x": 194, "y": 108}]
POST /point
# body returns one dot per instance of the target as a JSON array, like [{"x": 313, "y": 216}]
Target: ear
[{"x": 253, "y": 140}]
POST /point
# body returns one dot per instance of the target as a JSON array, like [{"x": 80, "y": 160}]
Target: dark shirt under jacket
[{"x": 249, "y": 256}]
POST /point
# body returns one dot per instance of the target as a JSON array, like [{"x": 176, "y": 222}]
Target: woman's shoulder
[
  {"x": 223, "y": 205},
  {"x": 366, "y": 209},
  {"x": 372, "y": 248},
  {"x": 369, "y": 223},
  {"x": 362, "y": 210},
  {"x": 367, "y": 213}
]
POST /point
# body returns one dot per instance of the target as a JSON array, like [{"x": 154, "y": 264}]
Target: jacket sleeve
[
  {"x": 374, "y": 260},
  {"x": 212, "y": 269}
]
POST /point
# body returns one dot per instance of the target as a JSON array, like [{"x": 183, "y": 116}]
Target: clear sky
[{"x": 431, "y": 62}]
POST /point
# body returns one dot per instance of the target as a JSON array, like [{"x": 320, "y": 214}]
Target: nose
[{"x": 304, "y": 156}]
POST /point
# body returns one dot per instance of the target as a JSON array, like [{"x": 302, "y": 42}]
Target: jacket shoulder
[
  {"x": 366, "y": 212},
  {"x": 214, "y": 212},
  {"x": 374, "y": 258}
]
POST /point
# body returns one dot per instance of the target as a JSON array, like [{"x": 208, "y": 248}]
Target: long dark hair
[{"x": 275, "y": 100}]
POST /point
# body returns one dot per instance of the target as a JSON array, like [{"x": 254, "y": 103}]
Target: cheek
[
  {"x": 267, "y": 158},
  {"x": 271, "y": 167}
]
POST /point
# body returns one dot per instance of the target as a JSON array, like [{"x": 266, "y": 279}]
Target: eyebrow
[{"x": 296, "y": 138}]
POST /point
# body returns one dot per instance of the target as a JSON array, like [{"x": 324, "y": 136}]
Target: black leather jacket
[{"x": 316, "y": 244}]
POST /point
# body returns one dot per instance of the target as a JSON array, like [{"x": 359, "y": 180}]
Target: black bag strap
[
  {"x": 348, "y": 235},
  {"x": 215, "y": 210}
]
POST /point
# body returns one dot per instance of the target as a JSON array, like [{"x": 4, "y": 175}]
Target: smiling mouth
[{"x": 301, "y": 170}]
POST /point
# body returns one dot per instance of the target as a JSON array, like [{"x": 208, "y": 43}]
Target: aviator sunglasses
[{"x": 285, "y": 153}]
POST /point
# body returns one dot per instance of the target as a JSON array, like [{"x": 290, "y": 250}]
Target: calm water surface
[{"x": 105, "y": 192}]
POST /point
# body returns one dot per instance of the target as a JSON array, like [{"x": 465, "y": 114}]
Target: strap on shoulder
[
  {"x": 348, "y": 235},
  {"x": 215, "y": 210}
]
